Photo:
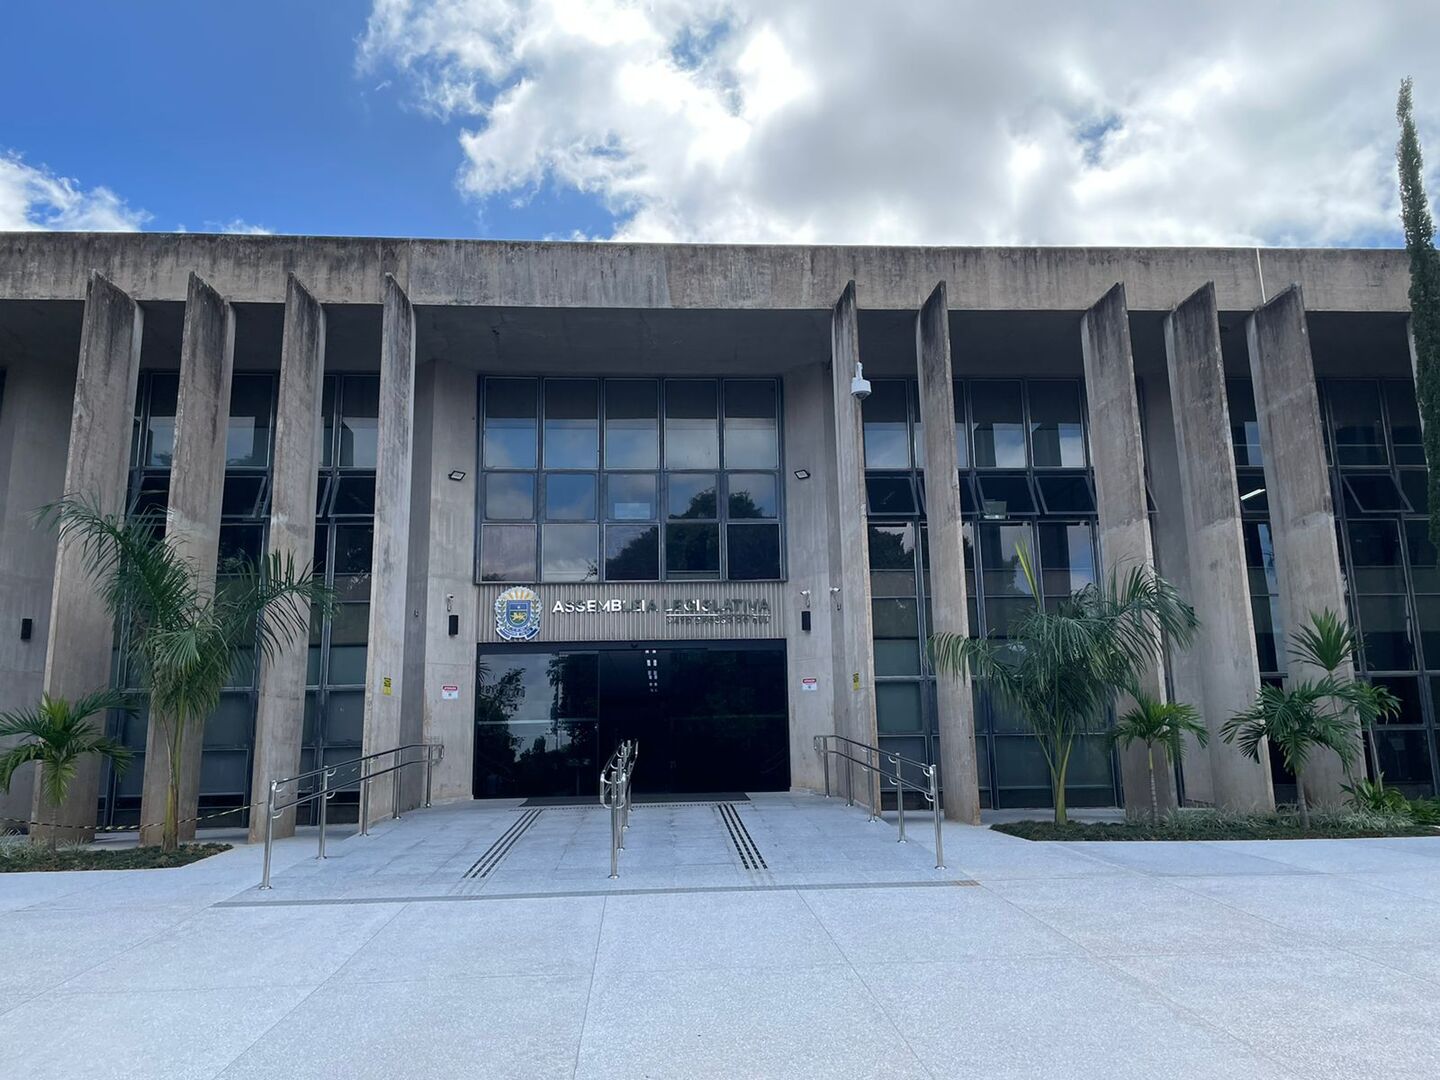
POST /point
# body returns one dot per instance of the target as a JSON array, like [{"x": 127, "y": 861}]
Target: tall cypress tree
[{"x": 1424, "y": 291}]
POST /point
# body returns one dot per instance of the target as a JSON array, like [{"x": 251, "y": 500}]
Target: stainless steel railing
[
  {"x": 872, "y": 764},
  {"x": 615, "y": 780},
  {"x": 366, "y": 772}
]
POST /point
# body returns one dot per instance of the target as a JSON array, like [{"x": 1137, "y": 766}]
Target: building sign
[
  {"x": 809, "y": 685},
  {"x": 517, "y": 614},
  {"x": 730, "y": 610},
  {"x": 450, "y": 693}
]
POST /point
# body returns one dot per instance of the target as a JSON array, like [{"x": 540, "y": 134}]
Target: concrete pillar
[
  {"x": 192, "y": 519},
  {"x": 280, "y": 716},
  {"x": 77, "y": 655},
  {"x": 1218, "y": 582},
  {"x": 855, "y": 657},
  {"x": 1117, "y": 454},
  {"x": 389, "y": 568},
  {"x": 809, "y": 653},
  {"x": 35, "y": 404},
  {"x": 1297, "y": 480},
  {"x": 959, "y": 771},
  {"x": 442, "y": 571}
]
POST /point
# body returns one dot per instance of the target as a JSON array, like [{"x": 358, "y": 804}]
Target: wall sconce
[
  {"x": 805, "y": 615},
  {"x": 457, "y": 474},
  {"x": 835, "y": 595}
]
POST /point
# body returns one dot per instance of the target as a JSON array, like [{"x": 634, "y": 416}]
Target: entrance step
[{"x": 640, "y": 800}]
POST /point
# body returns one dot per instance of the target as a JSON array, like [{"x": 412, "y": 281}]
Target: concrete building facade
[{"x": 568, "y": 494}]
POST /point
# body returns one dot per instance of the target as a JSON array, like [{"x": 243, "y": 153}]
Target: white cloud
[
  {"x": 33, "y": 197},
  {"x": 238, "y": 226},
  {"x": 929, "y": 121}
]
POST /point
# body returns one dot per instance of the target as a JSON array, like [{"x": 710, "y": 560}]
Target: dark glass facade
[
  {"x": 1024, "y": 480},
  {"x": 590, "y": 480}
]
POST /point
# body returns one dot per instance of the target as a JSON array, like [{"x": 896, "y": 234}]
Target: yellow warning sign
[
  {"x": 854, "y": 682},
  {"x": 385, "y": 685}
]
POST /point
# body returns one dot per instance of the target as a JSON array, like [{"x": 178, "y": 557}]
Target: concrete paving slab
[{"x": 44, "y": 948}]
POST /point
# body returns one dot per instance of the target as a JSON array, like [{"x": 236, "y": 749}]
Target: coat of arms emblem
[{"x": 517, "y": 614}]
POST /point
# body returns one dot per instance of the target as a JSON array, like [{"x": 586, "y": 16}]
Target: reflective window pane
[
  {"x": 692, "y": 551},
  {"x": 752, "y": 495},
  {"x": 1424, "y": 564},
  {"x": 1244, "y": 427},
  {"x": 572, "y": 423},
  {"x": 1404, "y": 422},
  {"x": 1056, "y": 431},
  {"x": 962, "y": 429},
  {"x": 1067, "y": 558},
  {"x": 632, "y": 552},
  {"x": 632, "y": 424},
  {"x": 886, "y": 425},
  {"x": 1359, "y": 429},
  {"x": 754, "y": 552},
  {"x": 897, "y": 707},
  {"x": 1066, "y": 494},
  {"x": 247, "y": 433},
  {"x": 570, "y": 496},
  {"x": 752, "y": 438},
  {"x": 359, "y": 421},
  {"x": 160, "y": 434},
  {"x": 511, "y": 417},
  {"x": 1386, "y": 628},
  {"x": 631, "y": 497},
  {"x": 569, "y": 553},
  {"x": 890, "y": 495},
  {"x": 510, "y": 496},
  {"x": 1002, "y": 496},
  {"x": 999, "y": 423},
  {"x": 1001, "y": 574},
  {"x": 1372, "y": 493},
  {"x": 354, "y": 496},
  {"x": 692, "y": 495},
  {"x": 692, "y": 437},
  {"x": 1250, "y": 485},
  {"x": 1375, "y": 557},
  {"x": 507, "y": 553}
]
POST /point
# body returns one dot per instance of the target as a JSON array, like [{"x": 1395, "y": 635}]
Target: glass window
[
  {"x": 1404, "y": 422},
  {"x": 1250, "y": 483},
  {"x": 1003, "y": 496},
  {"x": 572, "y": 424},
  {"x": 354, "y": 553},
  {"x": 632, "y": 552},
  {"x": 969, "y": 504},
  {"x": 1265, "y": 613},
  {"x": 897, "y": 707},
  {"x": 510, "y": 496},
  {"x": 692, "y": 495},
  {"x": 999, "y": 425},
  {"x": 1002, "y": 576},
  {"x": 327, "y": 421},
  {"x": 1384, "y": 622},
  {"x": 754, "y": 552},
  {"x": 1066, "y": 494},
  {"x": 354, "y": 496},
  {"x": 891, "y": 495},
  {"x": 247, "y": 434},
  {"x": 1260, "y": 557},
  {"x": 631, "y": 497},
  {"x": 507, "y": 553},
  {"x": 1404, "y": 756},
  {"x": 160, "y": 434},
  {"x": 692, "y": 439},
  {"x": 692, "y": 551},
  {"x": 1415, "y": 486},
  {"x": 1244, "y": 427},
  {"x": 1424, "y": 571},
  {"x": 1375, "y": 557},
  {"x": 752, "y": 495},
  {"x": 917, "y": 427},
  {"x": 1359, "y": 429},
  {"x": 1372, "y": 492},
  {"x": 1056, "y": 430},
  {"x": 752, "y": 438},
  {"x": 1067, "y": 558},
  {"x": 359, "y": 421},
  {"x": 570, "y": 496},
  {"x": 243, "y": 496},
  {"x": 569, "y": 553},
  {"x": 897, "y": 635},
  {"x": 511, "y": 415},
  {"x": 962, "y": 429},
  {"x": 632, "y": 424},
  {"x": 886, "y": 417}
]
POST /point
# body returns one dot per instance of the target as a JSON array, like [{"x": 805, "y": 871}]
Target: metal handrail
[
  {"x": 615, "y": 781},
  {"x": 873, "y": 765},
  {"x": 434, "y": 753}
]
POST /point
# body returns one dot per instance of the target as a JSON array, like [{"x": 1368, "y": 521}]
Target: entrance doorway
[{"x": 710, "y": 717}]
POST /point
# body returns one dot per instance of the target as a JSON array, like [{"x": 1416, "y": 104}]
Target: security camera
[{"x": 859, "y": 385}]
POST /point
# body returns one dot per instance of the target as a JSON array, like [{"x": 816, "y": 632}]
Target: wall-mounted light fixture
[
  {"x": 835, "y": 595},
  {"x": 457, "y": 474},
  {"x": 802, "y": 474}
]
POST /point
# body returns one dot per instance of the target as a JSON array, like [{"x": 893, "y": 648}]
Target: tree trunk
[
  {"x": 1301, "y": 803},
  {"x": 1375, "y": 773},
  {"x": 1154, "y": 798},
  {"x": 170, "y": 838},
  {"x": 1057, "y": 781}
]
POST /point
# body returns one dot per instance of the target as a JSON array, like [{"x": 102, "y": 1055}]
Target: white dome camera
[{"x": 859, "y": 385}]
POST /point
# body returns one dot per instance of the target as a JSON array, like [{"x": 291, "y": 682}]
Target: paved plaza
[{"x": 781, "y": 937}]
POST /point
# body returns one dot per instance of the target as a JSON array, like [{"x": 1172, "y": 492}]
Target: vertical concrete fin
[
  {"x": 192, "y": 518},
  {"x": 855, "y": 675},
  {"x": 1218, "y": 580},
  {"x": 77, "y": 657},
  {"x": 1117, "y": 455},
  {"x": 279, "y": 718},
  {"x": 389, "y": 569},
  {"x": 959, "y": 766},
  {"x": 1297, "y": 479}
]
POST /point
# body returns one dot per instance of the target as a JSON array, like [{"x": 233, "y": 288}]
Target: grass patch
[
  {"x": 23, "y": 857},
  {"x": 1219, "y": 825}
]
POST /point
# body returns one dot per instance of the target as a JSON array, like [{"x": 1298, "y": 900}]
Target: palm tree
[
  {"x": 184, "y": 636},
  {"x": 1163, "y": 723},
  {"x": 1311, "y": 714},
  {"x": 60, "y": 734},
  {"x": 1061, "y": 669}
]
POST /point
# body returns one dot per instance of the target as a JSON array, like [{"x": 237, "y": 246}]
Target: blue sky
[
  {"x": 809, "y": 121},
  {"x": 203, "y": 114}
]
